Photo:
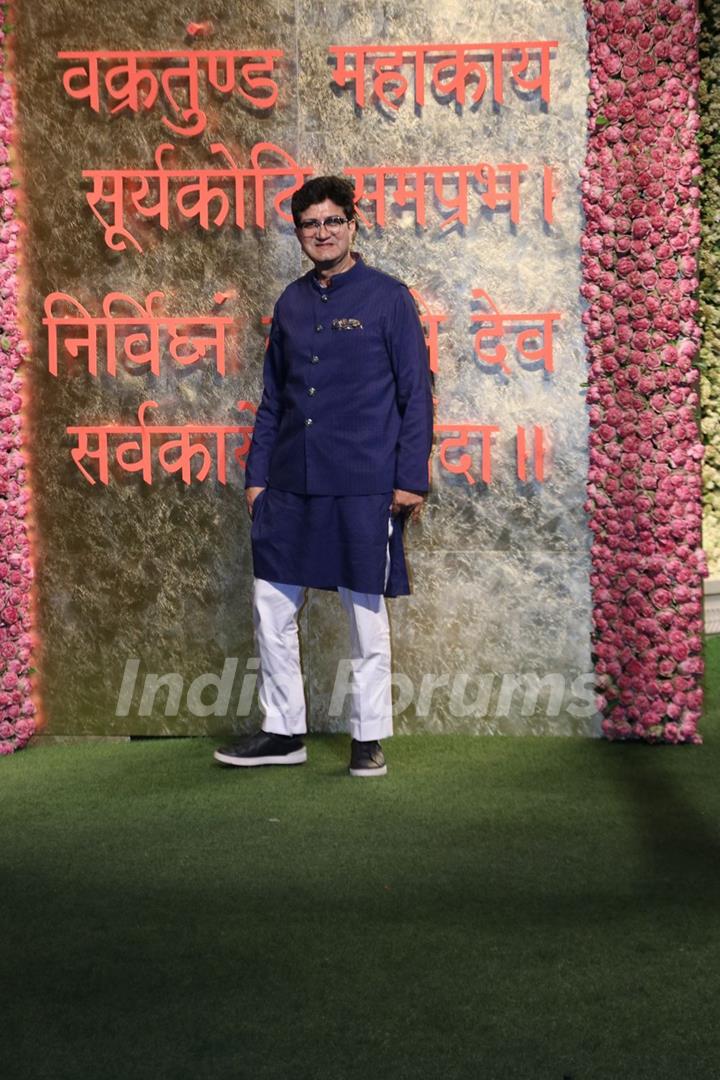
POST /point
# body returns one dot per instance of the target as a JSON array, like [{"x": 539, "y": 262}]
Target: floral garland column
[
  {"x": 709, "y": 98},
  {"x": 640, "y": 197},
  {"x": 16, "y": 706}
]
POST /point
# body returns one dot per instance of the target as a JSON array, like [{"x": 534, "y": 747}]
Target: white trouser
[{"x": 280, "y": 686}]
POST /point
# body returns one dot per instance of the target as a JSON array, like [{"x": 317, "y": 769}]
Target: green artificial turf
[{"x": 515, "y": 908}]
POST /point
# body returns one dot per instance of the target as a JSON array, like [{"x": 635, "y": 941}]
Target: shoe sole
[
  {"x": 297, "y": 757},
  {"x": 382, "y": 771}
]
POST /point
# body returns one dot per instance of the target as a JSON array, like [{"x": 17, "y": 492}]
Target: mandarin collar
[{"x": 339, "y": 281}]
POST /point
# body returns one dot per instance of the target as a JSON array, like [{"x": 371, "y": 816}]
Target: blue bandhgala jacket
[{"x": 346, "y": 407}]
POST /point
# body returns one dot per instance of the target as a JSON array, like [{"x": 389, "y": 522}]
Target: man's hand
[
  {"x": 251, "y": 495},
  {"x": 408, "y": 502}
]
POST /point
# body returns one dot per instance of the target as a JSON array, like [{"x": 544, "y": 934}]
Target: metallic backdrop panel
[{"x": 160, "y": 575}]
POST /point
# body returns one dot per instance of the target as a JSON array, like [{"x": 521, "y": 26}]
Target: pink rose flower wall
[
  {"x": 16, "y": 705},
  {"x": 641, "y": 197},
  {"x": 644, "y": 484}
]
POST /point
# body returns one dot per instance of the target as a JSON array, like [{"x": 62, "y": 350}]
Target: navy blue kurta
[
  {"x": 345, "y": 417},
  {"x": 328, "y": 541}
]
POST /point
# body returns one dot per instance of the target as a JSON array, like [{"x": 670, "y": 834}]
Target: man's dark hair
[{"x": 338, "y": 189}]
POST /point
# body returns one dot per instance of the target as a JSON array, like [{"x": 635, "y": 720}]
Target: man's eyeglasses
[{"x": 332, "y": 224}]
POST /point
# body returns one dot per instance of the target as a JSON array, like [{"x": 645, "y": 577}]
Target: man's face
[{"x": 324, "y": 246}]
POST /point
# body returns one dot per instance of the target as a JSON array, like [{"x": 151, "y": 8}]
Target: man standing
[{"x": 339, "y": 459}]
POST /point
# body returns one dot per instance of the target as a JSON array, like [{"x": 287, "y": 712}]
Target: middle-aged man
[{"x": 339, "y": 459}]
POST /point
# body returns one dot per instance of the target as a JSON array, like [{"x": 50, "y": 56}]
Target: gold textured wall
[{"x": 160, "y": 575}]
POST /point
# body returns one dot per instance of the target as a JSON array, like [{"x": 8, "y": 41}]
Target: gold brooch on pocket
[{"x": 347, "y": 324}]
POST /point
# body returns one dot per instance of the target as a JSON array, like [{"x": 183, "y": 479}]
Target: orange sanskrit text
[
  {"x": 173, "y": 195},
  {"x": 131, "y": 81},
  {"x": 130, "y": 333},
  {"x": 182, "y": 445},
  {"x": 497, "y": 186},
  {"x": 492, "y": 325},
  {"x": 459, "y": 72}
]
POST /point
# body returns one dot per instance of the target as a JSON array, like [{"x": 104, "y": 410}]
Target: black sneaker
[
  {"x": 263, "y": 748},
  {"x": 367, "y": 759}
]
